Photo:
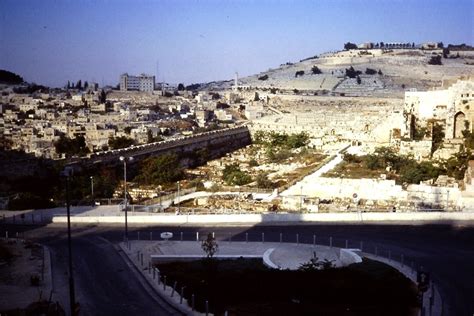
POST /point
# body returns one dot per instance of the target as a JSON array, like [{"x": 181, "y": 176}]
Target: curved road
[{"x": 106, "y": 285}]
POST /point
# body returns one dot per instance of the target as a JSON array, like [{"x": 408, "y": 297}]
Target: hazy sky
[{"x": 50, "y": 42}]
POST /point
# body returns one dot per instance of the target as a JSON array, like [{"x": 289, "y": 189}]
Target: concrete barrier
[
  {"x": 349, "y": 256},
  {"x": 169, "y": 219}
]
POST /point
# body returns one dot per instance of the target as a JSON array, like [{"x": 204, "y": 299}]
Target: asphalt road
[{"x": 106, "y": 285}]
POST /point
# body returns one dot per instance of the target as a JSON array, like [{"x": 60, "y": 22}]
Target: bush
[
  {"x": 370, "y": 71},
  {"x": 435, "y": 60},
  {"x": 232, "y": 175},
  {"x": 263, "y": 181},
  {"x": 120, "y": 142},
  {"x": 264, "y": 77},
  {"x": 350, "y": 45},
  {"x": 160, "y": 170},
  {"x": 299, "y": 73},
  {"x": 352, "y": 73},
  {"x": 315, "y": 70}
]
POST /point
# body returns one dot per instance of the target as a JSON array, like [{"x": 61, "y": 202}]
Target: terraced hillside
[{"x": 395, "y": 72}]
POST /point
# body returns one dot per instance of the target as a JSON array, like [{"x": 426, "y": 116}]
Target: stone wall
[{"x": 217, "y": 143}]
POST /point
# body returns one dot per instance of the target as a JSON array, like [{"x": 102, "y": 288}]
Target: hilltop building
[{"x": 142, "y": 82}]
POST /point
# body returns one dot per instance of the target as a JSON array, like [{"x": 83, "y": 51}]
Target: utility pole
[{"x": 124, "y": 160}]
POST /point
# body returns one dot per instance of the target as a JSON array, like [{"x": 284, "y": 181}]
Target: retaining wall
[{"x": 166, "y": 219}]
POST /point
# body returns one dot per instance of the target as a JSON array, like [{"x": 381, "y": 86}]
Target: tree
[
  {"x": 86, "y": 85},
  {"x": 79, "y": 85},
  {"x": 359, "y": 81},
  {"x": 120, "y": 142},
  {"x": 315, "y": 70},
  {"x": 350, "y": 45},
  {"x": 68, "y": 85},
  {"x": 181, "y": 87},
  {"x": 160, "y": 170},
  {"x": 209, "y": 246},
  {"x": 256, "y": 96},
  {"x": 263, "y": 78},
  {"x": 232, "y": 175},
  {"x": 102, "y": 97},
  {"x": 352, "y": 73},
  {"x": 71, "y": 147},
  {"x": 380, "y": 72},
  {"x": 382, "y": 44}
]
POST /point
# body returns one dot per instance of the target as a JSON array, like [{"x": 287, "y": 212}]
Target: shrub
[
  {"x": 352, "y": 73},
  {"x": 299, "y": 73},
  {"x": 370, "y": 71},
  {"x": 435, "y": 60},
  {"x": 232, "y": 175},
  {"x": 263, "y": 181},
  {"x": 264, "y": 77},
  {"x": 315, "y": 70}
]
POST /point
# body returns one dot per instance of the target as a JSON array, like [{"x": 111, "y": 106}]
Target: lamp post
[
  {"x": 67, "y": 172},
  {"x": 178, "y": 197},
  {"x": 92, "y": 190},
  {"x": 124, "y": 160}
]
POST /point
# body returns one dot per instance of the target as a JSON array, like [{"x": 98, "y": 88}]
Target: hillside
[
  {"x": 400, "y": 70},
  {"x": 10, "y": 78}
]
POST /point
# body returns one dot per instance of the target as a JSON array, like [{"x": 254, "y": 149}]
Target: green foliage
[
  {"x": 315, "y": 70},
  {"x": 370, "y": 71},
  {"x": 468, "y": 139},
  {"x": 352, "y": 73},
  {"x": 160, "y": 170},
  {"x": 419, "y": 133},
  {"x": 316, "y": 264},
  {"x": 352, "y": 158},
  {"x": 456, "y": 165},
  {"x": 276, "y": 155},
  {"x": 438, "y": 137},
  {"x": 263, "y": 181},
  {"x": 71, "y": 147},
  {"x": 359, "y": 81},
  {"x": 413, "y": 172},
  {"x": 263, "y": 78},
  {"x": 350, "y": 45},
  {"x": 232, "y": 175},
  {"x": 210, "y": 246},
  {"x": 120, "y": 142},
  {"x": 253, "y": 163},
  {"x": 435, "y": 60},
  {"x": 299, "y": 73},
  {"x": 181, "y": 87},
  {"x": 102, "y": 97}
]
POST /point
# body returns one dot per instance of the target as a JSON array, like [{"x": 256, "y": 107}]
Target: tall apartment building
[{"x": 142, "y": 82}]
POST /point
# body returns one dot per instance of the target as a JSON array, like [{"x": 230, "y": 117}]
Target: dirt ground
[{"x": 25, "y": 275}]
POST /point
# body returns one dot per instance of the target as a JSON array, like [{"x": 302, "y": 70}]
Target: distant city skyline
[{"x": 51, "y": 42}]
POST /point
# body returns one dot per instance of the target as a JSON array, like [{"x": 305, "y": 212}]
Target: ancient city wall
[{"x": 216, "y": 142}]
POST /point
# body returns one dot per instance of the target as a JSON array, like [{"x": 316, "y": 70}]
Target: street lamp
[
  {"x": 92, "y": 190},
  {"x": 178, "y": 196},
  {"x": 67, "y": 173},
  {"x": 124, "y": 160}
]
